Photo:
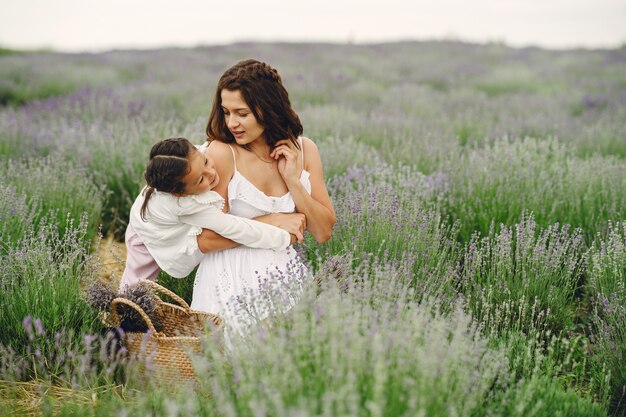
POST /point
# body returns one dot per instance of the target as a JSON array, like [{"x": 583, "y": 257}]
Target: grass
[
  {"x": 539, "y": 267},
  {"x": 491, "y": 186},
  {"x": 41, "y": 279},
  {"x": 607, "y": 288},
  {"x": 49, "y": 188}
]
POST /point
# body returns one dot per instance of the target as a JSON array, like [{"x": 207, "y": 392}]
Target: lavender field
[{"x": 477, "y": 267}]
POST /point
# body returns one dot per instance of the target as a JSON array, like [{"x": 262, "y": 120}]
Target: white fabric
[
  {"x": 173, "y": 223},
  {"x": 236, "y": 283}
]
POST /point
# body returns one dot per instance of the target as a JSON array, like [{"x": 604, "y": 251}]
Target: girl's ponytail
[{"x": 147, "y": 193}]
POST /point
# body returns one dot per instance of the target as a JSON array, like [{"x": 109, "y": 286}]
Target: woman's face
[{"x": 239, "y": 118}]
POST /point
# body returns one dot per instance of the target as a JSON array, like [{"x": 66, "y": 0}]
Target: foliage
[{"x": 41, "y": 277}]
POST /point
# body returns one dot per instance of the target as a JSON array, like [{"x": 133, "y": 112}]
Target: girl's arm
[
  {"x": 294, "y": 223},
  {"x": 317, "y": 207},
  {"x": 245, "y": 231}
]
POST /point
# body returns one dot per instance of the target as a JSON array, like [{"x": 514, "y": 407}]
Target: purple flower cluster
[
  {"x": 525, "y": 262},
  {"x": 66, "y": 359}
]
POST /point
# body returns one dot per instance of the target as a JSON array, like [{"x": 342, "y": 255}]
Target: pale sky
[{"x": 90, "y": 25}]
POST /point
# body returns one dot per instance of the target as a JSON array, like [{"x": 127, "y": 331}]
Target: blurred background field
[{"x": 478, "y": 264}]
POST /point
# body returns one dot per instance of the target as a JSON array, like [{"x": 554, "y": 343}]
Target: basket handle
[
  {"x": 167, "y": 292},
  {"x": 116, "y": 317}
]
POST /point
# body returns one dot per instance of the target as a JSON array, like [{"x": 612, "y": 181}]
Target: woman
[{"x": 266, "y": 167}]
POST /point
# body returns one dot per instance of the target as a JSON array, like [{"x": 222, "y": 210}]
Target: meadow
[{"x": 477, "y": 267}]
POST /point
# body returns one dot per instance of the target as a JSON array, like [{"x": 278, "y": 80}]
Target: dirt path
[{"x": 111, "y": 260}]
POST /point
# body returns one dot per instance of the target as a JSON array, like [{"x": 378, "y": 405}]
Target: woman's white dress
[{"x": 243, "y": 284}]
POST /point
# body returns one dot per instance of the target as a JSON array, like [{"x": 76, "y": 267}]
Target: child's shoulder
[
  {"x": 205, "y": 198},
  {"x": 203, "y": 146}
]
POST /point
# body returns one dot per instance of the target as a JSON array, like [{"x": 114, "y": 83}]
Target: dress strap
[{"x": 301, "y": 149}]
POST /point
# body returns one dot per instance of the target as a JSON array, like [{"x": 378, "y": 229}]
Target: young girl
[{"x": 174, "y": 207}]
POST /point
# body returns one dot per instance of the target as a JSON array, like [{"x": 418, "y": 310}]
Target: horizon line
[{"x": 194, "y": 45}]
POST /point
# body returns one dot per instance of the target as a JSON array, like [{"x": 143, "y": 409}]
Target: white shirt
[{"x": 173, "y": 223}]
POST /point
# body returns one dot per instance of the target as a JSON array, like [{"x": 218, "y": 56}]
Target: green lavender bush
[
  {"x": 528, "y": 265},
  {"x": 38, "y": 188},
  {"x": 382, "y": 214},
  {"x": 366, "y": 349},
  {"x": 41, "y": 277},
  {"x": 494, "y": 185},
  {"x": 607, "y": 289}
]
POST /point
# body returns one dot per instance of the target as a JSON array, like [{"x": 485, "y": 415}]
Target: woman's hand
[
  {"x": 294, "y": 223},
  {"x": 289, "y": 160},
  {"x": 316, "y": 205}
]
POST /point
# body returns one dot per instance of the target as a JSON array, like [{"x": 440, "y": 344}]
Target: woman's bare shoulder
[
  {"x": 309, "y": 147},
  {"x": 217, "y": 148},
  {"x": 308, "y": 143},
  {"x": 222, "y": 155}
]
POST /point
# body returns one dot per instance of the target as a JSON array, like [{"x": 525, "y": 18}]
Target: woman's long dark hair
[
  {"x": 168, "y": 165},
  {"x": 263, "y": 91}
]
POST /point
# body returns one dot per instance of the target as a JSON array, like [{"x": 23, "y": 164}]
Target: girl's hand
[{"x": 289, "y": 160}]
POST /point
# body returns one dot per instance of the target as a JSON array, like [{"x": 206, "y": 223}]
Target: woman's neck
[{"x": 260, "y": 148}]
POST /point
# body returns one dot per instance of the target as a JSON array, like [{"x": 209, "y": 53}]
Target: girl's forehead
[
  {"x": 196, "y": 154},
  {"x": 196, "y": 162}
]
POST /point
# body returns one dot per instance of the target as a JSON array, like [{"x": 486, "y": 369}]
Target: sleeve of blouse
[{"x": 239, "y": 229}]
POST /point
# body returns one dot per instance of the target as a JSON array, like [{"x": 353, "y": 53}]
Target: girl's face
[
  {"x": 202, "y": 175},
  {"x": 239, "y": 118}
]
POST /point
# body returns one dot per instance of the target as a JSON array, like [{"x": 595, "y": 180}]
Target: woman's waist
[
  {"x": 244, "y": 209},
  {"x": 245, "y": 251}
]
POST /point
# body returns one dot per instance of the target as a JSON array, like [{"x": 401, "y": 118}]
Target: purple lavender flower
[
  {"x": 27, "y": 323},
  {"x": 39, "y": 328}
]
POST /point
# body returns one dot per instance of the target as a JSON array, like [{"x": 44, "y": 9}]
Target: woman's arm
[
  {"x": 317, "y": 207},
  {"x": 209, "y": 241}
]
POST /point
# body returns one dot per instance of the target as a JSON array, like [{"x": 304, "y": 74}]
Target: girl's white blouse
[{"x": 172, "y": 225}]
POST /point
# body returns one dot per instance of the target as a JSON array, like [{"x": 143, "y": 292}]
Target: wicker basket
[
  {"x": 182, "y": 329},
  {"x": 181, "y": 320}
]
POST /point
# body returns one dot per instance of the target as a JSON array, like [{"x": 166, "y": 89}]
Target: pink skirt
[{"x": 139, "y": 263}]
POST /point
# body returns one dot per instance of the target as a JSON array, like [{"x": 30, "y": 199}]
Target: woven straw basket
[{"x": 182, "y": 331}]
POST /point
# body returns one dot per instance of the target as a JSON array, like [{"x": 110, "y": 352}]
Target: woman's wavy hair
[
  {"x": 263, "y": 91},
  {"x": 168, "y": 165}
]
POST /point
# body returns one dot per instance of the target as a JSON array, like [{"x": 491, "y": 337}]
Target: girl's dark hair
[
  {"x": 168, "y": 165},
  {"x": 263, "y": 91}
]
